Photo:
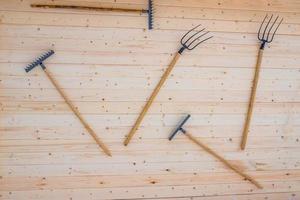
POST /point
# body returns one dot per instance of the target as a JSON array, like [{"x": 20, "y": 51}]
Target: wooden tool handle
[
  {"x": 227, "y": 163},
  {"x": 94, "y": 8},
  {"x": 252, "y": 100},
  {"x": 88, "y": 128},
  {"x": 151, "y": 99}
]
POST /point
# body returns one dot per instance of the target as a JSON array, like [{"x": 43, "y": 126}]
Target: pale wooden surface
[
  {"x": 109, "y": 63},
  {"x": 227, "y": 163}
]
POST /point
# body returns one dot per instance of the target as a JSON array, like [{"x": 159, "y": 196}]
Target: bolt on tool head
[
  {"x": 39, "y": 61},
  {"x": 179, "y": 128},
  {"x": 264, "y": 32},
  {"x": 191, "y": 40}
]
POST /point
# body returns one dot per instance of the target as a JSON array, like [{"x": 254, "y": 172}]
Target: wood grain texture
[{"x": 109, "y": 63}]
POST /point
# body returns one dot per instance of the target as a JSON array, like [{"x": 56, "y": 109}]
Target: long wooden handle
[
  {"x": 94, "y": 8},
  {"x": 227, "y": 163},
  {"x": 151, "y": 99},
  {"x": 252, "y": 100},
  {"x": 72, "y": 107}
]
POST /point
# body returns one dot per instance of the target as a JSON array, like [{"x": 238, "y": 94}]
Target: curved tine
[
  {"x": 181, "y": 41},
  {"x": 193, "y": 36},
  {"x": 275, "y": 31},
  {"x": 261, "y": 27},
  {"x": 268, "y": 34},
  {"x": 196, "y": 39},
  {"x": 263, "y": 37},
  {"x": 200, "y": 43}
]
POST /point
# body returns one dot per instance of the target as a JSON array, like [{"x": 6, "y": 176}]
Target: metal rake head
[
  {"x": 265, "y": 33},
  {"x": 150, "y": 14},
  {"x": 191, "y": 39},
  {"x": 39, "y": 60},
  {"x": 179, "y": 128}
]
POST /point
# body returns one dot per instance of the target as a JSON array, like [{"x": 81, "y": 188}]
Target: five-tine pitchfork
[
  {"x": 189, "y": 41},
  {"x": 265, "y": 35}
]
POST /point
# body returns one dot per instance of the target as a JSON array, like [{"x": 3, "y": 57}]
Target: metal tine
[
  {"x": 181, "y": 41},
  {"x": 188, "y": 46},
  {"x": 201, "y": 41},
  {"x": 274, "y": 31},
  {"x": 193, "y": 36},
  {"x": 271, "y": 27},
  {"x": 267, "y": 27},
  {"x": 259, "y": 31}
]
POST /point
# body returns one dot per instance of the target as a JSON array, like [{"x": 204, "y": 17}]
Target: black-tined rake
[
  {"x": 39, "y": 61},
  {"x": 149, "y": 11}
]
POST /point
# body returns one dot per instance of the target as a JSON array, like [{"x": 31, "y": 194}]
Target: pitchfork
[
  {"x": 265, "y": 37},
  {"x": 189, "y": 41}
]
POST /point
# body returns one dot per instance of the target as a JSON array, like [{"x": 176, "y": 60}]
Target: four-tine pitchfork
[
  {"x": 265, "y": 36},
  {"x": 189, "y": 41}
]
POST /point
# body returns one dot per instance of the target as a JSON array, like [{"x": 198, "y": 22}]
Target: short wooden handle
[
  {"x": 223, "y": 160},
  {"x": 73, "y": 108},
  {"x": 252, "y": 100},
  {"x": 151, "y": 99}
]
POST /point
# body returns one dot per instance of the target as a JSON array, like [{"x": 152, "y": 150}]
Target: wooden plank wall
[{"x": 108, "y": 64}]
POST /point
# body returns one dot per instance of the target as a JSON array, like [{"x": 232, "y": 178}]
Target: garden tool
[
  {"x": 264, "y": 37},
  {"x": 189, "y": 41},
  {"x": 150, "y": 10},
  {"x": 212, "y": 152},
  {"x": 39, "y": 61}
]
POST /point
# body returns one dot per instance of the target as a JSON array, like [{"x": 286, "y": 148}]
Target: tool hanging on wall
[
  {"x": 212, "y": 152},
  {"x": 150, "y": 10},
  {"x": 264, "y": 37},
  {"x": 189, "y": 41},
  {"x": 39, "y": 61}
]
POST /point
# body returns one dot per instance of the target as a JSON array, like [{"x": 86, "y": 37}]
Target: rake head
[
  {"x": 39, "y": 61},
  {"x": 267, "y": 30},
  {"x": 193, "y": 38},
  {"x": 150, "y": 14},
  {"x": 179, "y": 127}
]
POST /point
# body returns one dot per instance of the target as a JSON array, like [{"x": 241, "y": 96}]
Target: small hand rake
[
  {"x": 150, "y": 10},
  {"x": 264, "y": 36},
  {"x": 39, "y": 61},
  {"x": 189, "y": 41},
  {"x": 212, "y": 152}
]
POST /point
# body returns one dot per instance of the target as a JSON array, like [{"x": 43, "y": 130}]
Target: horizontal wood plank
[{"x": 108, "y": 64}]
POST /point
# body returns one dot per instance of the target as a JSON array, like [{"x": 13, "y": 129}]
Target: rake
[
  {"x": 189, "y": 41},
  {"x": 150, "y": 10},
  {"x": 39, "y": 61},
  {"x": 265, "y": 36},
  {"x": 212, "y": 152}
]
